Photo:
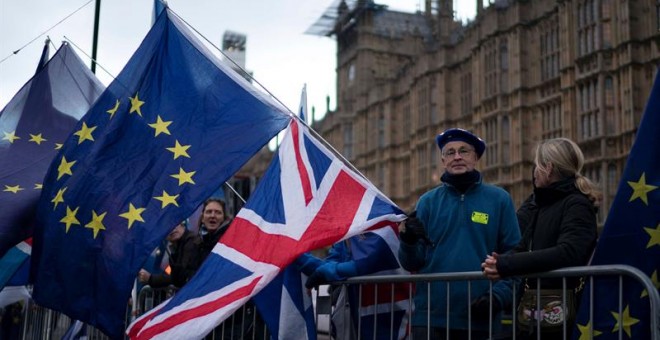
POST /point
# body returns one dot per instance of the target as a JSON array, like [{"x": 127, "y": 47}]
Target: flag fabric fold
[
  {"x": 307, "y": 199},
  {"x": 631, "y": 236},
  {"x": 33, "y": 125},
  {"x": 285, "y": 304},
  {"x": 15, "y": 265},
  {"x": 173, "y": 126}
]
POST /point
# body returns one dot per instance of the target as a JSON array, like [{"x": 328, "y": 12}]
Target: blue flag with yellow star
[
  {"x": 35, "y": 122},
  {"x": 168, "y": 131},
  {"x": 631, "y": 236}
]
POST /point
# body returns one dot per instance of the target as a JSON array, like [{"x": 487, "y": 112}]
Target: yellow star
[
  {"x": 585, "y": 332},
  {"x": 628, "y": 321},
  {"x": 59, "y": 197},
  {"x": 161, "y": 126},
  {"x": 655, "y": 236},
  {"x": 38, "y": 186},
  {"x": 167, "y": 199},
  {"x": 15, "y": 189},
  {"x": 656, "y": 283},
  {"x": 37, "y": 139},
  {"x": 85, "y": 133},
  {"x": 133, "y": 215},
  {"x": 114, "y": 109},
  {"x": 10, "y": 136},
  {"x": 97, "y": 223},
  {"x": 179, "y": 150},
  {"x": 135, "y": 105},
  {"x": 184, "y": 177},
  {"x": 58, "y": 146},
  {"x": 641, "y": 189},
  {"x": 65, "y": 168},
  {"x": 70, "y": 218}
]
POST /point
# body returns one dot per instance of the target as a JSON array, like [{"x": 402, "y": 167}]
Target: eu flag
[
  {"x": 32, "y": 126},
  {"x": 631, "y": 236},
  {"x": 169, "y": 130}
]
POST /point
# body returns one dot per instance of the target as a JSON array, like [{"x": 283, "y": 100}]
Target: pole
[{"x": 95, "y": 40}]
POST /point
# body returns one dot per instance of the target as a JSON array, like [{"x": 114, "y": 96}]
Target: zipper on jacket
[{"x": 463, "y": 212}]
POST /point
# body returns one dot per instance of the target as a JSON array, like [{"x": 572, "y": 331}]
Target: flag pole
[{"x": 95, "y": 39}]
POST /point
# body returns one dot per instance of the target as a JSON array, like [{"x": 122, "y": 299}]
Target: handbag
[{"x": 550, "y": 311}]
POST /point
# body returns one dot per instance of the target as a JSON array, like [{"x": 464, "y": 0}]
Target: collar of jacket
[
  {"x": 555, "y": 192},
  {"x": 463, "y": 182}
]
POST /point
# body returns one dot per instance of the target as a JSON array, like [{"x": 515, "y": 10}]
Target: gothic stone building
[{"x": 518, "y": 73}]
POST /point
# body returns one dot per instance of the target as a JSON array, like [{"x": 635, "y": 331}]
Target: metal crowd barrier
[
  {"x": 588, "y": 272},
  {"x": 44, "y": 324}
]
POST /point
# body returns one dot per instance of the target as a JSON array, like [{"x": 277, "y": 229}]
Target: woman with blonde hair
[{"x": 558, "y": 221}]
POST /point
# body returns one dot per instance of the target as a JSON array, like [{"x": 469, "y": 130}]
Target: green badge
[{"x": 479, "y": 217}]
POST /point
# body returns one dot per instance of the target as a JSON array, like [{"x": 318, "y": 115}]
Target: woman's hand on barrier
[{"x": 489, "y": 267}]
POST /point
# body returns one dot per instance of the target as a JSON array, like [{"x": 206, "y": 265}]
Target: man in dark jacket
[{"x": 183, "y": 258}]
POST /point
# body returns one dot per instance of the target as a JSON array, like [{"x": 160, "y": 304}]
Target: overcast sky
[{"x": 281, "y": 57}]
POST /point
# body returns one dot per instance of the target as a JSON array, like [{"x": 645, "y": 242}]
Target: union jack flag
[{"x": 306, "y": 200}]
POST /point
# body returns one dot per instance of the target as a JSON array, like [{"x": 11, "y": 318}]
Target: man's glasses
[{"x": 451, "y": 153}]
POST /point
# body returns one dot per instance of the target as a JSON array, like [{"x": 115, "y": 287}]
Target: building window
[
  {"x": 348, "y": 141},
  {"x": 589, "y": 109},
  {"x": 490, "y": 74},
  {"x": 551, "y": 120},
  {"x": 405, "y": 174},
  {"x": 381, "y": 177},
  {"x": 588, "y": 27},
  {"x": 433, "y": 163},
  {"x": 612, "y": 178},
  {"x": 381, "y": 127},
  {"x": 351, "y": 74},
  {"x": 466, "y": 92},
  {"x": 423, "y": 111},
  {"x": 657, "y": 15},
  {"x": 506, "y": 138},
  {"x": 549, "y": 42},
  {"x": 433, "y": 107},
  {"x": 610, "y": 119},
  {"x": 407, "y": 128},
  {"x": 504, "y": 65},
  {"x": 423, "y": 165},
  {"x": 491, "y": 142}
]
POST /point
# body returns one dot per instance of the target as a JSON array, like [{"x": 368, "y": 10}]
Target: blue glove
[
  {"x": 331, "y": 271},
  {"x": 307, "y": 263}
]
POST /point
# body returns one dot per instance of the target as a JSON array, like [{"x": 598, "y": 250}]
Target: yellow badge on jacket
[{"x": 479, "y": 217}]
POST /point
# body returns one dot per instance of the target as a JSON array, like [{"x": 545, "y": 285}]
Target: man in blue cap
[{"x": 453, "y": 228}]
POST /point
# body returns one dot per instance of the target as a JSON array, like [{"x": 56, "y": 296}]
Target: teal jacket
[{"x": 463, "y": 228}]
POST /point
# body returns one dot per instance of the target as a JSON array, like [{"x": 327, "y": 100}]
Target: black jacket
[
  {"x": 559, "y": 224},
  {"x": 184, "y": 261},
  {"x": 209, "y": 240}
]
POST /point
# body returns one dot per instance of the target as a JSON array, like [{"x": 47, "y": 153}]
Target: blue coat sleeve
[
  {"x": 413, "y": 257},
  {"x": 308, "y": 263}
]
